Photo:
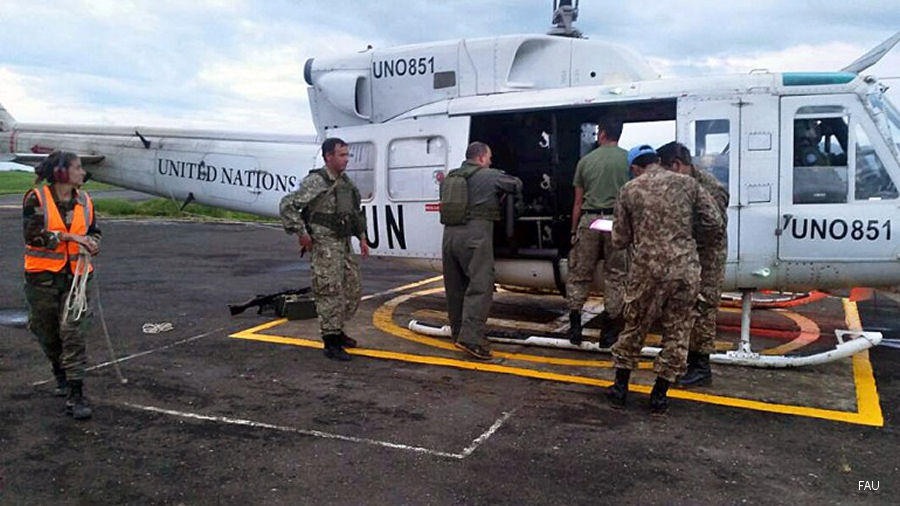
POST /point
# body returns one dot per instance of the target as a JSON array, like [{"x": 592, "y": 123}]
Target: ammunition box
[{"x": 295, "y": 307}]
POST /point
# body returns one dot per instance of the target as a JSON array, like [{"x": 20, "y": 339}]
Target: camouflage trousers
[
  {"x": 335, "y": 282},
  {"x": 590, "y": 246},
  {"x": 467, "y": 253},
  {"x": 669, "y": 302},
  {"x": 712, "y": 277},
  {"x": 63, "y": 342}
]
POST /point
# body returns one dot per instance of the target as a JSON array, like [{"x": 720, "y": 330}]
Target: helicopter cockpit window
[
  {"x": 872, "y": 180},
  {"x": 710, "y": 141},
  {"x": 414, "y": 166},
  {"x": 820, "y": 155},
  {"x": 361, "y": 168}
]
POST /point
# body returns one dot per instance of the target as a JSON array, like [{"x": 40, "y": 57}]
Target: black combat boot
[
  {"x": 575, "y": 327},
  {"x": 76, "y": 404},
  {"x": 611, "y": 331},
  {"x": 619, "y": 390},
  {"x": 62, "y": 386},
  {"x": 602, "y": 320},
  {"x": 347, "y": 341},
  {"x": 658, "y": 402},
  {"x": 333, "y": 348},
  {"x": 698, "y": 371}
]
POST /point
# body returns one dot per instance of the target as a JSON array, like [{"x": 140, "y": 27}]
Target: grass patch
[
  {"x": 169, "y": 209},
  {"x": 92, "y": 186},
  {"x": 18, "y": 181},
  {"x": 15, "y": 181}
]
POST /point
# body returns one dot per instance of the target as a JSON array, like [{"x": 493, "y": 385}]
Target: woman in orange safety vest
[{"x": 59, "y": 227}]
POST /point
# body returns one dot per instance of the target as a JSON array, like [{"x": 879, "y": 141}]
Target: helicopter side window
[
  {"x": 413, "y": 167},
  {"x": 872, "y": 180},
  {"x": 820, "y": 157},
  {"x": 710, "y": 140},
  {"x": 361, "y": 168}
]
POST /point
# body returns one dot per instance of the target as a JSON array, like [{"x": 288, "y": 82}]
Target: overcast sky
[{"x": 237, "y": 64}]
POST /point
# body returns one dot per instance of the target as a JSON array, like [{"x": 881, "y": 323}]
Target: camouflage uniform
[
  {"x": 468, "y": 255},
  {"x": 335, "y": 270},
  {"x": 62, "y": 342},
  {"x": 713, "y": 254},
  {"x": 601, "y": 173},
  {"x": 657, "y": 217},
  {"x": 590, "y": 247}
]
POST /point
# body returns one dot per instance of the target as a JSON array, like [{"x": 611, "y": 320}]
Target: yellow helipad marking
[
  {"x": 414, "y": 284},
  {"x": 868, "y": 405},
  {"x": 383, "y": 319},
  {"x": 441, "y": 316}
]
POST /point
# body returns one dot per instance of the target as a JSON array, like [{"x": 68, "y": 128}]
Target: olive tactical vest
[
  {"x": 455, "y": 206},
  {"x": 346, "y": 220}
]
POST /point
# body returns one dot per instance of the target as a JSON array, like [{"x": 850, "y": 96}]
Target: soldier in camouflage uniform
[
  {"x": 325, "y": 213},
  {"x": 712, "y": 253},
  {"x": 59, "y": 226},
  {"x": 658, "y": 217},
  {"x": 598, "y": 177}
]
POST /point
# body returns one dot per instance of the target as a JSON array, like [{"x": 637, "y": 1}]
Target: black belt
[{"x": 604, "y": 210}]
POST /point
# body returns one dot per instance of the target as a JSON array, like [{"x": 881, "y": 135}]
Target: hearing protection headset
[{"x": 61, "y": 170}]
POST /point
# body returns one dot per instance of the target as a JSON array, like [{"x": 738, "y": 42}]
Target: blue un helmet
[{"x": 637, "y": 152}]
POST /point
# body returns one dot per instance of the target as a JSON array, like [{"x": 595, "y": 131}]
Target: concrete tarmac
[{"x": 210, "y": 419}]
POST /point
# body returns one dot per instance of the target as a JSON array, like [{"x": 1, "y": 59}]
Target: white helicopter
[{"x": 811, "y": 160}]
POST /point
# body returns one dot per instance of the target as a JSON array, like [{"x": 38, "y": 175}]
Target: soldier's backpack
[{"x": 455, "y": 195}]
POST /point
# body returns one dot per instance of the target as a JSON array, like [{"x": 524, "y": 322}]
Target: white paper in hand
[{"x": 602, "y": 224}]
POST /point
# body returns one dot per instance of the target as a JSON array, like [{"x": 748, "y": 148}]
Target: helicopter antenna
[{"x": 564, "y": 17}]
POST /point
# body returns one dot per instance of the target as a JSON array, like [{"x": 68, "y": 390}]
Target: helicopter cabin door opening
[
  {"x": 839, "y": 196},
  {"x": 542, "y": 148}
]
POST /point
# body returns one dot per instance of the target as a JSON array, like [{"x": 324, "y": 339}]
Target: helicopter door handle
[{"x": 787, "y": 219}]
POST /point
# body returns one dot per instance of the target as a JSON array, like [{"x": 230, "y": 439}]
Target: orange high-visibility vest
[{"x": 54, "y": 260}]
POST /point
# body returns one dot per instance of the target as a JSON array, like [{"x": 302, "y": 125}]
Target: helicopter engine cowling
[{"x": 378, "y": 85}]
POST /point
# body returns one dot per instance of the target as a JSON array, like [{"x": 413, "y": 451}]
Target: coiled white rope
[
  {"x": 76, "y": 304},
  {"x": 156, "y": 328}
]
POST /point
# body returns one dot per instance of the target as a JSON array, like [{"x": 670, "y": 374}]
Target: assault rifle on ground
[{"x": 264, "y": 302}]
